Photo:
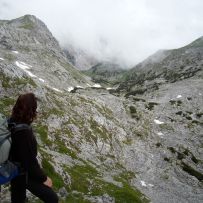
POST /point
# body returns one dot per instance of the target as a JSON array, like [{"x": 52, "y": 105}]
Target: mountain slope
[
  {"x": 28, "y": 44},
  {"x": 105, "y": 73},
  {"x": 168, "y": 66},
  {"x": 97, "y": 147},
  {"x": 79, "y": 134}
]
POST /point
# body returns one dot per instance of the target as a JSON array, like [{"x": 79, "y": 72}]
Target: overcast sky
[{"x": 128, "y": 30}]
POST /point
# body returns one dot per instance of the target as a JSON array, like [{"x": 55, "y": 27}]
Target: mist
[{"x": 125, "y": 31}]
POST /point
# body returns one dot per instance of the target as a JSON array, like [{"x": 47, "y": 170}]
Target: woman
[{"x": 24, "y": 152}]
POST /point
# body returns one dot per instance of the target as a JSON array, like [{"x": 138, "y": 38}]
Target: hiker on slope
[{"x": 24, "y": 151}]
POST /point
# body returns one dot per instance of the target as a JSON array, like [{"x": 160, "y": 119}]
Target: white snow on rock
[
  {"x": 179, "y": 96},
  {"x": 158, "y": 122},
  {"x": 143, "y": 183},
  {"x": 25, "y": 67},
  {"x": 200, "y": 94},
  {"x": 88, "y": 85},
  {"x": 96, "y": 85},
  {"x": 57, "y": 90},
  {"x": 2, "y": 59},
  {"x": 160, "y": 133},
  {"x": 78, "y": 86},
  {"x": 42, "y": 80},
  {"x": 70, "y": 89},
  {"x": 16, "y": 52},
  {"x": 150, "y": 185},
  {"x": 30, "y": 74},
  {"x": 109, "y": 88}
]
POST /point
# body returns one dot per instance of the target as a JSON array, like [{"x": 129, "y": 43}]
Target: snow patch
[
  {"x": 70, "y": 89},
  {"x": 109, "y": 88},
  {"x": 200, "y": 94},
  {"x": 78, "y": 86},
  {"x": 97, "y": 85},
  {"x": 160, "y": 133},
  {"x": 30, "y": 74},
  {"x": 25, "y": 67},
  {"x": 16, "y": 52},
  {"x": 2, "y": 59},
  {"x": 179, "y": 96},
  {"x": 42, "y": 80},
  {"x": 145, "y": 184},
  {"x": 158, "y": 122},
  {"x": 57, "y": 90},
  {"x": 150, "y": 185}
]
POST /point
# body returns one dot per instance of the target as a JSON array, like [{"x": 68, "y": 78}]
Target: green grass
[
  {"x": 87, "y": 180},
  {"x": 23, "y": 82},
  {"x": 61, "y": 148},
  {"x": 28, "y": 26},
  {"x": 80, "y": 177},
  {"x": 5, "y": 81},
  {"x": 6, "y": 104},
  {"x": 56, "y": 178},
  {"x": 8, "y": 82},
  {"x": 10, "y": 57},
  {"x": 42, "y": 130},
  {"x": 53, "y": 111}
]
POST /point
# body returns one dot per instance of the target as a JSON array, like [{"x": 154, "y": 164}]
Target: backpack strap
[
  {"x": 13, "y": 127},
  {"x": 19, "y": 127},
  {"x": 3, "y": 140}
]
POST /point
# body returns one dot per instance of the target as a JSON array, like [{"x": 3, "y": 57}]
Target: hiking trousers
[{"x": 19, "y": 186}]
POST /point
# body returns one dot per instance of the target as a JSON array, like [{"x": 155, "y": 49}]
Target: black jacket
[{"x": 24, "y": 151}]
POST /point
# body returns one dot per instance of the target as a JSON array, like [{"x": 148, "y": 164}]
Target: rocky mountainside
[
  {"x": 81, "y": 133},
  {"x": 79, "y": 58},
  {"x": 106, "y": 73},
  {"x": 142, "y": 142},
  {"x": 167, "y": 66},
  {"x": 28, "y": 44}
]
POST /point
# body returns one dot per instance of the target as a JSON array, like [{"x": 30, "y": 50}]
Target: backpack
[{"x": 8, "y": 169}]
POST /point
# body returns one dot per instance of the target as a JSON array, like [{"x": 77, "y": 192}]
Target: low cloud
[{"x": 123, "y": 30}]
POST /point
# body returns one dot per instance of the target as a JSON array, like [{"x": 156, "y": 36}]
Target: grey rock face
[
  {"x": 79, "y": 58},
  {"x": 29, "y": 48}
]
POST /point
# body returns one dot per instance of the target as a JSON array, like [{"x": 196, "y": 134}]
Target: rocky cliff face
[
  {"x": 79, "y": 58},
  {"x": 27, "y": 43},
  {"x": 125, "y": 145}
]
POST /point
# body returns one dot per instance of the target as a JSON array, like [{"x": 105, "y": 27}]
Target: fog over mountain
[{"x": 121, "y": 30}]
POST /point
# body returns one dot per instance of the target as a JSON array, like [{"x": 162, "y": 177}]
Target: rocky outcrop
[{"x": 79, "y": 58}]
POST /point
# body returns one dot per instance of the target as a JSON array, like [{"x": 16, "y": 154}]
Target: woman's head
[{"x": 25, "y": 108}]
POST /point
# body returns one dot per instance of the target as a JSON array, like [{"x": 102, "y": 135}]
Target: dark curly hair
[{"x": 24, "y": 110}]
